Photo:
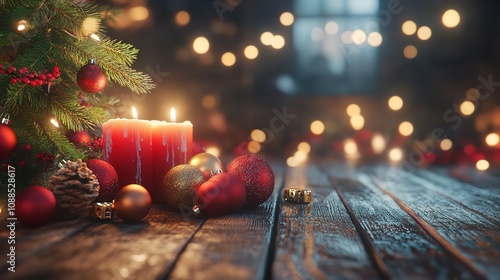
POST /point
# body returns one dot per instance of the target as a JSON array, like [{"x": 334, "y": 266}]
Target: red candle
[
  {"x": 142, "y": 152},
  {"x": 127, "y": 147},
  {"x": 172, "y": 145}
]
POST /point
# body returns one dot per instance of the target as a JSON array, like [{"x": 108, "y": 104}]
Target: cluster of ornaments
[{"x": 201, "y": 186}]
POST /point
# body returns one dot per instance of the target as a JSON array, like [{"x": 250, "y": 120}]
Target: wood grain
[
  {"x": 318, "y": 240},
  {"x": 481, "y": 201},
  {"x": 403, "y": 246},
  {"x": 29, "y": 242},
  {"x": 113, "y": 250},
  {"x": 233, "y": 246},
  {"x": 474, "y": 235}
]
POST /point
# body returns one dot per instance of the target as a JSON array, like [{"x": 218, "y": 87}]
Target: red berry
[
  {"x": 49, "y": 75},
  {"x": 43, "y": 77},
  {"x": 14, "y": 81},
  {"x": 20, "y": 70},
  {"x": 19, "y": 80},
  {"x": 32, "y": 83},
  {"x": 26, "y": 80},
  {"x": 27, "y": 147},
  {"x": 39, "y": 82},
  {"x": 56, "y": 69},
  {"x": 22, "y": 163}
]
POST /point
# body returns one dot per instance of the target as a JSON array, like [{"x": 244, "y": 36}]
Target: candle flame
[
  {"x": 134, "y": 113},
  {"x": 172, "y": 115}
]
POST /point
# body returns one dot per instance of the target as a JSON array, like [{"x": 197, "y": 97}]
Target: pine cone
[{"x": 75, "y": 188}]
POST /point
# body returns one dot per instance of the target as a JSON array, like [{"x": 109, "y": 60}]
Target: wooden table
[{"x": 366, "y": 222}]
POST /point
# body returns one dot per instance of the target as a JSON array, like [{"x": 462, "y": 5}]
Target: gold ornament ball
[
  {"x": 132, "y": 203},
  {"x": 180, "y": 185},
  {"x": 207, "y": 163}
]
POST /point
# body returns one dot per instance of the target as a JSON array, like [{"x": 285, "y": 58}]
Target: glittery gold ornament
[
  {"x": 180, "y": 185},
  {"x": 132, "y": 203},
  {"x": 208, "y": 164}
]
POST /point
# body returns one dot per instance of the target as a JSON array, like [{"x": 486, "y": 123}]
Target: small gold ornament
[
  {"x": 294, "y": 195},
  {"x": 209, "y": 164},
  {"x": 102, "y": 210},
  {"x": 180, "y": 185},
  {"x": 132, "y": 203}
]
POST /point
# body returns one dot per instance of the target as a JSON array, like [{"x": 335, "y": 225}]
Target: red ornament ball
[
  {"x": 257, "y": 176},
  {"x": 35, "y": 206},
  {"x": 8, "y": 141},
  {"x": 79, "y": 137},
  {"x": 91, "y": 78},
  {"x": 107, "y": 177},
  {"x": 132, "y": 203},
  {"x": 222, "y": 194}
]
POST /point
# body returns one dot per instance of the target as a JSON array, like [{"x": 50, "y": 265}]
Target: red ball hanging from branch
[
  {"x": 91, "y": 78},
  {"x": 8, "y": 139}
]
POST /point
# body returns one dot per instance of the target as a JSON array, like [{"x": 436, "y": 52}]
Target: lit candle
[
  {"x": 142, "y": 152},
  {"x": 172, "y": 145},
  {"x": 127, "y": 146}
]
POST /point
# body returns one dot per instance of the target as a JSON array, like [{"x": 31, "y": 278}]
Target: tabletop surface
[{"x": 365, "y": 222}]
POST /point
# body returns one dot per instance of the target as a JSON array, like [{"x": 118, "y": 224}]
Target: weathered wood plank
[
  {"x": 467, "y": 174},
  {"x": 318, "y": 240},
  {"x": 30, "y": 241},
  {"x": 113, "y": 250},
  {"x": 483, "y": 202},
  {"x": 407, "y": 251},
  {"x": 474, "y": 235},
  {"x": 233, "y": 246}
]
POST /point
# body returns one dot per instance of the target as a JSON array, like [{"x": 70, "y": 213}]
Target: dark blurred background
[{"x": 315, "y": 58}]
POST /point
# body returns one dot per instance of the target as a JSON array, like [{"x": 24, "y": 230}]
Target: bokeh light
[
  {"x": 451, "y": 18},
  {"x": 482, "y": 165},
  {"x": 353, "y": 110},
  {"x": 396, "y": 154},
  {"x": 208, "y": 101},
  {"x": 331, "y": 28},
  {"x": 286, "y": 18},
  {"x": 350, "y": 147},
  {"x": 213, "y": 150},
  {"x": 467, "y": 108},
  {"x": 258, "y": 135},
  {"x": 409, "y": 27},
  {"x": 317, "y": 34},
  {"x": 492, "y": 139},
  {"x": 410, "y": 52},
  {"x": 201, "y": 45},
  {"x": 395, "y": 103},
  {"x": 228, "y": 59},
  {"x": 267, "y": 38},
  {"x": 304, "y": 146},
  {"x": 254, "y": 147},
  {"x": 182, "y": 18},
  {"x": 292, "y": 162},
  {"x": 405, "y": 128},
  {"x": 346, "y": 37},
  {"x": 375, "y": 39},
  {"x": 278, "y": 42},
  {"x": 446, "y": 144},
  {"x": 138, "y": 13},
  {"x": 424, "y": 33},
  {"x": 378, "y": 143},
  {"x": 358, "y": 36},
  {"x": 251, "y": 52},
  {"x": 357, "y": 122},
  {"x": 317, "y": 127}
]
